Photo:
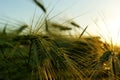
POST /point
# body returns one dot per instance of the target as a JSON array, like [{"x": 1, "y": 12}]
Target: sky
[{"x": 102, "y": 16}]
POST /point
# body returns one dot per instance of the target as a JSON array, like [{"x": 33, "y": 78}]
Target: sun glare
[
  {"x": 111, "y": 31},
  {"x": 114, "y": 28}
]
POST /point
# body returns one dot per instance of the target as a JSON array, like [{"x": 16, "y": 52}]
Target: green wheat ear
[
  {"x": 4, "y": 30},
  {"x": 40, "y": 5},
  {"x": 21, "y": 29},
  {"x": 75, "y": 24},
  {"x": 61, "y": 27}
]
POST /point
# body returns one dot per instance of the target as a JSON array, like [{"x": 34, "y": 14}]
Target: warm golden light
[{"x": 112, "y": 32}]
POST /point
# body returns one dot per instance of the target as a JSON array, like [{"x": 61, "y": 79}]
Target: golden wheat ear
[{"x": 40, "y": 5}]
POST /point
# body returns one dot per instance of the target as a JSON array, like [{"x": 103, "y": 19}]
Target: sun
[
  {"x": 114, "y": 29},
  {"x": 110, "y": 30}
]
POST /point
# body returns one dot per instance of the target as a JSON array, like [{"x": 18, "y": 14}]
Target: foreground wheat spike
[
  {"x": 75, "y": 24},
  {"x": 40, "y": 5}
]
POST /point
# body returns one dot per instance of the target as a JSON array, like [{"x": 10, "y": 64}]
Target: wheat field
[{"x": 43, "y": 51}]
